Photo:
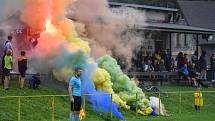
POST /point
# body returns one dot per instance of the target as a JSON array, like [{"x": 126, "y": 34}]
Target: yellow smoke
[
  {"x": 102, "y": 81},
  {"x": 63, "y": 74}
]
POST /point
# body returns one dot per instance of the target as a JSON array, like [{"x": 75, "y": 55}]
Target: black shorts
[
  {"x": 76, "y": 106},
  {"x": 6, "y": 72},
  {"x": 22, "y": 73}
]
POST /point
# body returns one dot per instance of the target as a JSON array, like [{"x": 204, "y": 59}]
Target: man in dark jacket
[
  {"x": 22, "y": 66},
  {"x": 213, "y": 66},
  {"x": 179, "y": 60},
  {"x": 203, "y": 65},
  {"x": 194, "y": 77}
]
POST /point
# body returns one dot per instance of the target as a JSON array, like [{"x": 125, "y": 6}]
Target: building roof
[
  {"x": 175, "y": 28},
  {"x": 199, "y": 13},
  {"x": 169, "y": 27},
  {"x": 143, "y": 6}
]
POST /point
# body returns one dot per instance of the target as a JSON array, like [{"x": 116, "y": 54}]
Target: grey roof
[
  {"x": 143, "y": 6},
  {"x": 175, "y": 28},
  {"x": 199, "y": 13}
]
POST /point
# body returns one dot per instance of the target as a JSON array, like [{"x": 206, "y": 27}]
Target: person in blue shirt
[
  {"x": 75, "y": 95},
  {"x": 8, "y": 44},
  {"x": 35, "y": 81}
]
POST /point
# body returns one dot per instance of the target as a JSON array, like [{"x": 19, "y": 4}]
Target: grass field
[{"x": 40, "y": 109}]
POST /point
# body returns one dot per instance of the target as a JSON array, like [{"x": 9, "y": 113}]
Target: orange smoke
[
  {"x": 36, "y": 12},
  {"x": 56, "y": 31}
]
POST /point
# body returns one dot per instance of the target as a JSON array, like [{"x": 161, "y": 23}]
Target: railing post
[
  {"x": 53, "y": 101},
  {"x": 159, "y": 96},
  {"x": 111, "y": 103},
  {"x": 84, "y": 104},
  {"x": 136, "y": 103},
  {"x": 199, "y": 99},
  {"x": 19, "y": 109}
]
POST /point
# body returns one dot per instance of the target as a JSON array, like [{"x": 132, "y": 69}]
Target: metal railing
[{"x": 53, "y": 97}]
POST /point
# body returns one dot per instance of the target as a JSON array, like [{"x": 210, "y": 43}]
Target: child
[
  {"x": 22, "y": 66},
  {"x": 34, "y": 82},
  {"x": 198, "y": 100},
  {"x": 8, "y": 64}
]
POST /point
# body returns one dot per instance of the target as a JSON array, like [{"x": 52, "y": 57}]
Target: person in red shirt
[{"x": 186, "y": 59}]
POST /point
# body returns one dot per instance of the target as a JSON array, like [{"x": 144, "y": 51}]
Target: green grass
[{"x": 40, "y": 109}]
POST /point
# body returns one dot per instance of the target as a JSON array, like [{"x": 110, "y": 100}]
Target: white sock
[
  {"x": 72, "y": 116},
  {"x": 77, "y": 118}
]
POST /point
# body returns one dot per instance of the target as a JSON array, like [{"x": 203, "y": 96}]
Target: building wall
[
  {"x": 155, "y": 15},
  {"x": 139, "y": 14},
  {"x": 180, "y": 42}
]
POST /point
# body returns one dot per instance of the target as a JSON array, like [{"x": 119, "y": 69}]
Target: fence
[{"x": 164, "y": 96}]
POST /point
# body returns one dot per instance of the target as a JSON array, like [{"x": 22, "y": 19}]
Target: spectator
[
  {"x": 179, "y": 60},
  {"x": 156, "y": 65},
  {"x": 158, "y": 56},
  {"x": 193, "y": 74},
  {"x": 22, "y": 66},
  {"x": 162, "y": 66},
  {"x": 8, "y": 44},
  {"x": 35, "y": 81},
  {"x": 8, "y": 64},
  {"x": 203, "y": 65},
  {"x": 147, "y": 57},
  {"x": 186, "y": 59},
  {"x": 194, "y": 58},
  {"x": 168, "y": 59},
  {"x": 163, "y": 54},
  {"x": 172, "y": 64},
  {"x": 212, "y": 59},
  {"x": 148, "y": 66},
  {"x": 183, "y": 72}
]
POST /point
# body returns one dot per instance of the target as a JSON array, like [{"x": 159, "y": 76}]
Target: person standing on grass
[
  {"x": 7, "y": 46},
  {"x": 8, "y": 64},
  {"x": 22, "y": 66},
  {"x": 198, "y": 100},
  {"x": 75, "y": 95}
]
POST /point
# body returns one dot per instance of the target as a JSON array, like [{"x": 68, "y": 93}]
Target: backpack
[{"x": 6, "y": 42}]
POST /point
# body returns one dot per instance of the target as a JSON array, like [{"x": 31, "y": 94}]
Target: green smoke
[{"x": 122, "y": 84}]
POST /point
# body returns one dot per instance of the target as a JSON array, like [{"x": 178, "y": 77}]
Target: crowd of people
[
  {"x": 8, "y": 61},
  {"x": 189, "y": 67},
  {"x": 159, "y": 61}
]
